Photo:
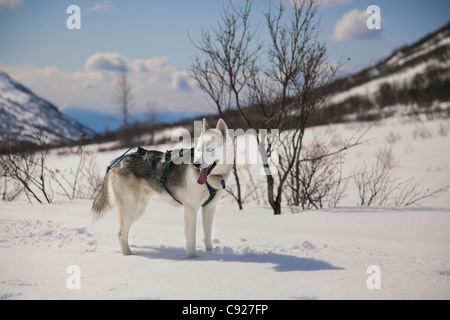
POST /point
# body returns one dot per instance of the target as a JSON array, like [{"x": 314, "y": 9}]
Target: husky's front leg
[
  {"x": 208, "y": 219},
  {"x": 190, "y": 222}
]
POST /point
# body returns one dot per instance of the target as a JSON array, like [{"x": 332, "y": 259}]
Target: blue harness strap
[
  {"x": 212, "y": 194},
  {"x": 119, "y": 159}
]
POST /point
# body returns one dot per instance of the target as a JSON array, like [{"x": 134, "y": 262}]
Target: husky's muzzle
[{"x": 204, "y": 173}]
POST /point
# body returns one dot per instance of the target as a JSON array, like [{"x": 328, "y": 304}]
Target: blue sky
[{"x": 70, "y": 67}]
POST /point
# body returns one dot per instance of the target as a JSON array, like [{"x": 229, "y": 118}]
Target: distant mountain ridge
[
  {"x": 434, "y": 45},
  {"x": 416, "y": 76},
  {"x": 22, "y": 113},
  {"x": 112, "y": 121}
]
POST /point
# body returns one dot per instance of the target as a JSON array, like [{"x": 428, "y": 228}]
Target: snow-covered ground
[
  {"x": 320, "y": 254},
  {"x": 312, "y": 255}
]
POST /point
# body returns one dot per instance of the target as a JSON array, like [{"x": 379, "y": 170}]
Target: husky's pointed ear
[
  {"x": 222, "y": 127},
  {"x": 205, "y": 125}
]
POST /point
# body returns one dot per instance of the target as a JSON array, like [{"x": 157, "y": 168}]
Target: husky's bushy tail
[{"x": 102, "y": 202}]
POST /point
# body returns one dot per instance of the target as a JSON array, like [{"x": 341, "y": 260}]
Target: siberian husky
[{"x": 193, "y": 178}]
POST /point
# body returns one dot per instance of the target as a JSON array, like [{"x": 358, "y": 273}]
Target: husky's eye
[{"x": 209, "y": 149}]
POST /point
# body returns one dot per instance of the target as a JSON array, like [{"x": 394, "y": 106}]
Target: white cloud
[
  {"x": 182, "y": 81},
  {"x": 112, "y": 61},
  {"x": 100, "y": 6},
  {"x": 9, "y": 4},
  {"x": 91, "y": 88},
  {"x": 109, "y": 61},
  {"x": 353, "y": 26},
  {"x": 141, "y": 65}
]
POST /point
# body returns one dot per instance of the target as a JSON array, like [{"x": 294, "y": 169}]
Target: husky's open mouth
[{"x": 204, "y": 173}]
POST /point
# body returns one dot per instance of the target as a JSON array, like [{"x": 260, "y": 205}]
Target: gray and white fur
[{"x": 132, "y": 184}]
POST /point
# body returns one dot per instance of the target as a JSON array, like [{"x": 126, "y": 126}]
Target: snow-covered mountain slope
[
  {"x": 433, "y": 47},
  {"x": 415, "y": 76},
  {"x": 22, "y": 113}
]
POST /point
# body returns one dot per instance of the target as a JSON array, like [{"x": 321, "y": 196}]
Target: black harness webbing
[{"x": 168, "y": 162}]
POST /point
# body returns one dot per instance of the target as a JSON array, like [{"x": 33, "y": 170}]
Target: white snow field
[{"x": 53, "y": 251}]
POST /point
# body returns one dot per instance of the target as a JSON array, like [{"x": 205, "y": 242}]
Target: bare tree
[
  {"x": 280, "y": 92},
  {"x": 291, "y": 88},
  {"x": 227, "y": 61},
  {"x": 298, "y": 74},
  {"x": 123, "y": 96},
  {"x": 152, "y": 120}
]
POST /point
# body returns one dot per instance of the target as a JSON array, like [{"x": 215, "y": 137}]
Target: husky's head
[{"x": 214, "y": 151}]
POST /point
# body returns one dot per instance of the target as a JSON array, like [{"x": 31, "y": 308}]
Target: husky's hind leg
[
  {"x": 128, "y": 213},
  {"x": 125, "y": 225}
]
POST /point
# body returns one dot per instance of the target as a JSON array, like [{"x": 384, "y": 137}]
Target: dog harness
[{"x": 168, "y": 158}]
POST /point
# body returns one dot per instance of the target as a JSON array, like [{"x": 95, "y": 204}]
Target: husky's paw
[
  {"x": 191, "y": 255},
  {"x": 127, "y": 253},
  {"x": 208, "y": 246}
]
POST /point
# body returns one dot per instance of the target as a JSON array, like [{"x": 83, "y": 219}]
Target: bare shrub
[
  {"x": 10, "y": 189},
  {"x": 410, "y": 192},
  {"x": 379, "y": 186},
  {"x": 317, "y": 182},
  {"x": 444, "y": 129},
  {"x": 25, "y": 170},
  {"x": 82, "y": 182},
  {"x": 25, "y": 167}
]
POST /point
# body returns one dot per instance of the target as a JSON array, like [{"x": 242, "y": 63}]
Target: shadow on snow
[{"x": 281, "y": 262}]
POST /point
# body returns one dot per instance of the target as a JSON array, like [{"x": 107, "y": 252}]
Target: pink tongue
[{"x": 203, "y": 175}]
